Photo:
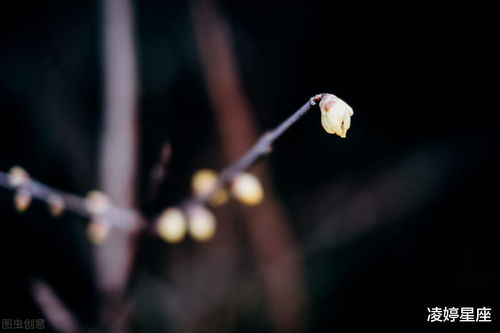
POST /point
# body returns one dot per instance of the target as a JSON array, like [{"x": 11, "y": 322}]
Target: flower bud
[
  {"x": 335, "y": 115},
  {"x": 201, "y": 223},
  {"x": 18, "y": 176},
  {"x": 203, "y": 182},
  {"x": 22, "y": 200},
  {"x": 97, "y": 202},
  {"x": 56, "y": 204},
  {"x": 171, "y": 225},
  {"x": 247, "y": 189},
  {"x": 98, "y": 231}
]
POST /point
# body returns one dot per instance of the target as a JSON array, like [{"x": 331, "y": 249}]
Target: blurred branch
[
  {"x": 408, "y": 182},
  {"x": 129, "y": 219},
  {"x": 119, "y": 217},
  {"x": 53, "y": 308},
  {"x": 158, "y": 172},
  {"x": 118, "y": 155},
  {"x": 277, "y": 257},
  {"x": 261, "y": 148}
]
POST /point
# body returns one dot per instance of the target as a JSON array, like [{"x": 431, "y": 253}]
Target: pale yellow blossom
[
  {"x": 201, "y": 223},
  {"x": 97, "y": 202},
  {"x": 18, "y": 176},
  {"x": 171, "y": 225},
  {"x": 335, "y": 115},
  {"x": 247, "y": 189}
]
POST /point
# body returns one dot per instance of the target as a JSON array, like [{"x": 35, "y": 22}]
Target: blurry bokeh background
[{"x": 366, "y": 231}]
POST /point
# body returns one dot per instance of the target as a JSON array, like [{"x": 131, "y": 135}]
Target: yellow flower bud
[
  {"x": 201, "y": 223},
  {"x": 18, "y": 176},
  {"x": 203, "y": 182},
  {"x": 171, "y": 225},
  {"x": 97, "y": 202},
  {"x": 22, "y": 200},
  {"x": 56, "y": 204},
  {"x": 98, "y": 231},
  {"x": 335, "y": 115},
  {"x": 247, "y": 189}
]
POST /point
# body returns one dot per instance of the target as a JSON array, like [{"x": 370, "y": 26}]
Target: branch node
[{"x": 316, "y": 99}]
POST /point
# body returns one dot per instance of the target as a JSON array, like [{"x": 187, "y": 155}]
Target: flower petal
[
  {"x": 335, "y": 117},
  {"x": 347, "y": 120},
  {"x": 326, "y": 124}
]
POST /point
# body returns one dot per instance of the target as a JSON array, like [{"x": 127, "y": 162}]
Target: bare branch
[
  {"x": 261, "y": 148},
  {"x": 119, "y": 217},
  {"x": 158, "y": 172},
  {"x": 53, "y": 308},
  {"x": 128, "y": 219}
]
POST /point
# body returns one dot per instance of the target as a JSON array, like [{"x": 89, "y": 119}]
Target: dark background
[{"x": 398, "y": 217}]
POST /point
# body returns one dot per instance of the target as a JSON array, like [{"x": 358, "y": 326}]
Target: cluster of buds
[
  {"x": 199, "y": 222},
  {"x": 173, "y": 224},
  {"x": 21, "y": 181},
  {"x": 96, "y": 203},
  {"x": 204, "y": 182},
  {"x": 245, "y": 187}
]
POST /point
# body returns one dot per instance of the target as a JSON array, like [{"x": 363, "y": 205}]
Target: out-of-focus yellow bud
[
  {"x": 97, "y": 202},
  {"x": 335, "y": 115},
  {"x": 98, "y": 231},
  {"x": 18, "y": 176},
  {"x": 56, "y": 204},
  {"x": 203, "y": 182},
  {"x": 247, "y": 189},
  {"x": 171, "y": 225},
  {"x": 201, "y": 223},
  {"x": 218, "y": 198},
  {"x": 22, "y": 200}
]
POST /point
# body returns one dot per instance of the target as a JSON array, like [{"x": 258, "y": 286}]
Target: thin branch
[
  {"x": 158, "y": 173},
  {"x": 53, "y": 308},
  {"x": 121, "y": 218},
  {"x": 261, "y": 148},
  {"x": 127, "y": 219}
]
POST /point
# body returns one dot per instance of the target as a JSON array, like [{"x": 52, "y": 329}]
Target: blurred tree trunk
[{"x": 118, "y": 155}]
